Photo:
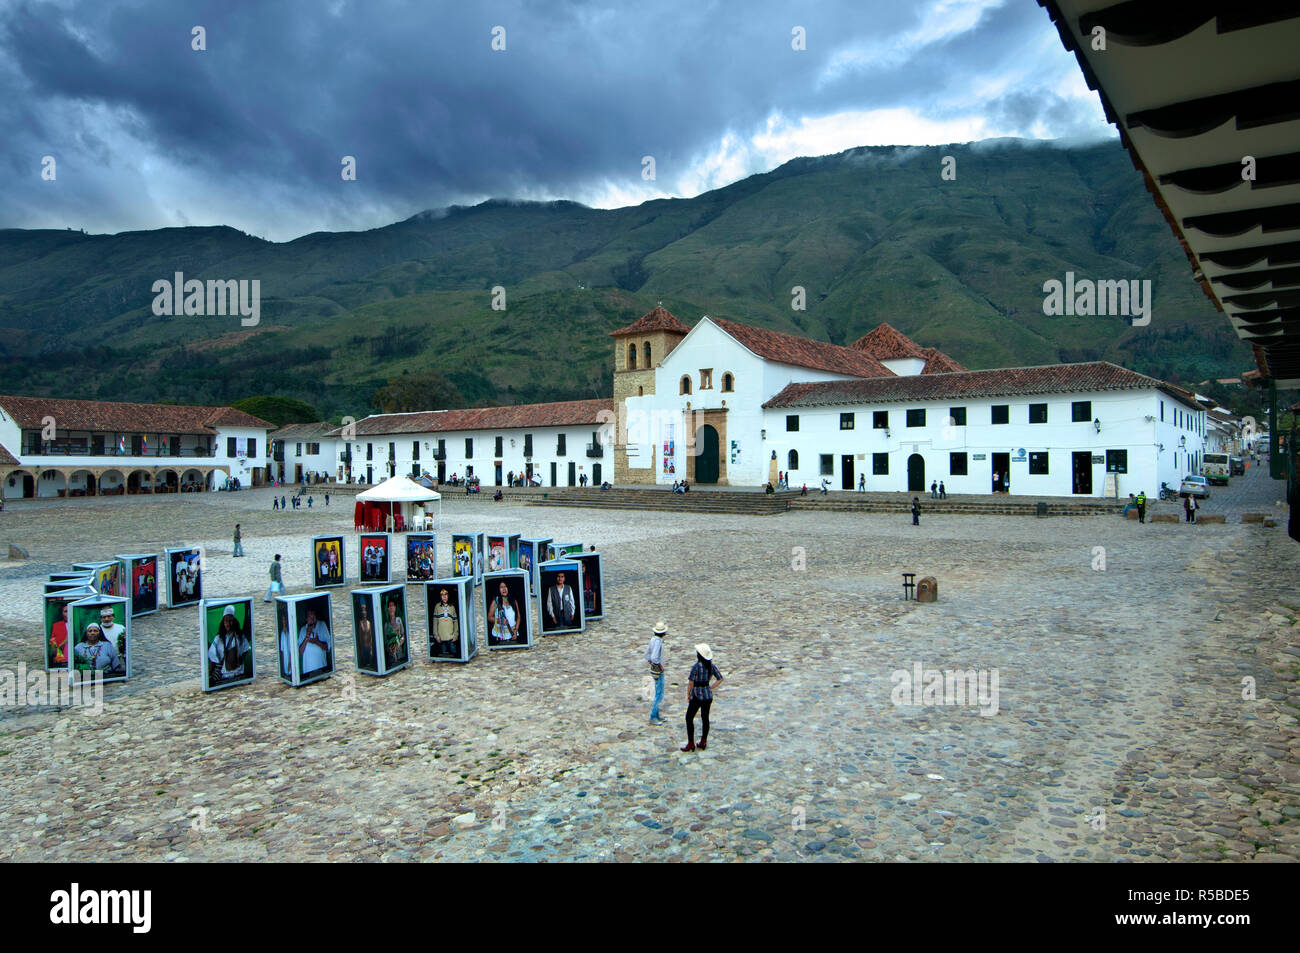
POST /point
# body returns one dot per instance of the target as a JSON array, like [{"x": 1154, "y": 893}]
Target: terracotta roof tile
[
  {"x": 7, "y": 459},
  {"x": 301, "y": 431},
  {"x": 937, "y": 362},
  {"x": 111, "y": 416},
  {"x": 657, "y": 319},
  {"x": 885, "y": 343},
  {"x": 804, "y": 352},
  {"x": 1005, "y": 382},
  {"x": 565, "y": 413}
]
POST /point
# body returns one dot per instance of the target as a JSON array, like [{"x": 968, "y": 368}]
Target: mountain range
[{"x": 871, "y": 234}]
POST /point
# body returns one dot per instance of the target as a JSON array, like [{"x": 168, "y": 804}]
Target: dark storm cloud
[{"x": 251, "y": 132}]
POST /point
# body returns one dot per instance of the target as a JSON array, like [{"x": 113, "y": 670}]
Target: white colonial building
[
  {"x": 298, "y": 452},
  {"x": 556, "y": 443},
  {"x": 728, "y": 403},
  {"x": 51, "y": 447}
]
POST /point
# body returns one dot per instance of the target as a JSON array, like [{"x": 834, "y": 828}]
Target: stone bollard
[
  {"x": 1211, "y": 518},
  {"x": 17, "y": 552},
  {"x": 927, "y": 590},
  {"x": 1164, "y": 518},
  {"x": 1252, "y": 517}
]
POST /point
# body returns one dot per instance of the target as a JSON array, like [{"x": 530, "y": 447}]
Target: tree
[
  {"x": 278, "y": 410},
  {"x": 408, "y": 393}
]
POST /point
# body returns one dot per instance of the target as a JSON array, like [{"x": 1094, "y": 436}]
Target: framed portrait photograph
[
  {"x": 560, "y": 550},
  {"x": 327, "y": 566},
  {"x": 226, "y": 643},
  {"x": 100, "y": 630},
  {"x": 503, "y": 552},
  {"x": 58, "y": 624},
  {"x": 532, "y": 550},
  {"x": 306, "y": 639},
  {"x": 507, "y": 610},
  {"x": 451, "y": 620},
  {"x": 141, "y": 582},
  {"x": 560, "y": 599},
  {"x": 593, "y": 594},
  {"x": 467, "y": 556},
  {"x": 374, "y": 548},
  {"x": 106, "y": 576},
  {"x": 184, "y": 576},
  {"x": 421, "y": 557},
  {"x": 380, "y": 630}
]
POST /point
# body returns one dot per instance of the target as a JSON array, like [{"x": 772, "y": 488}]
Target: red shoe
[
  {"x": 690, "y": 746},
  {"x": 702, "y": 745}
]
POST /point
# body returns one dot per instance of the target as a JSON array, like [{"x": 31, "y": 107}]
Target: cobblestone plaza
[{"x": 1122, "y": 653}]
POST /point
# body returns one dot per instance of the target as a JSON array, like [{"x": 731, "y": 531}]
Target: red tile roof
[
  {"x": 937, "y": 362},
  {"x": 7, "y": 459},
  {"x": 565, "y": 413},
  {"x": 114, "y": 417},
  {"x": 804, "y": 352},
  {"x": 1004, "y": 382},
  {"x": 301, "y": 431},
  {"x": 657, "y": 319},
  {"x": 885, "y": 343}
]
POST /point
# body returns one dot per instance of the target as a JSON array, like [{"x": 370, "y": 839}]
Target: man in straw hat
[
  {"x": 699, "y": 696},
  {"x": 654, "y": 654}
]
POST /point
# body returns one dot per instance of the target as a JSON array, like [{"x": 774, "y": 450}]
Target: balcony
[
  {"x": 595, "y": 450},
  {"x": 440, "y": 454}
]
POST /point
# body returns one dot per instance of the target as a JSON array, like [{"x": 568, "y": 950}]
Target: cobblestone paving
[{"x": 1121, "y": 731}]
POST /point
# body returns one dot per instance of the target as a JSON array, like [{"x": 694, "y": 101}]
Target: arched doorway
[
  {"x": 139, "y": 481},
  {"x": 706, "y": 464},
  {"x": 81, "y": 483},
  {"x": 916, "y": 473},
  {"x": 165, "y": 481},
  {"x": 52, "y": 483},
  {"x": 20, "y": 485},
  {"x": 111, "y": 482}
]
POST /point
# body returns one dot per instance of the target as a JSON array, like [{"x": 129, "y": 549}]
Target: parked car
[
  {"x": 1197, "y": 486},
  {"x": 1237, "y": 465}
]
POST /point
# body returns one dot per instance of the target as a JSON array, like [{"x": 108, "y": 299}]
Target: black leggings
[{"x": 703, "y": 708}]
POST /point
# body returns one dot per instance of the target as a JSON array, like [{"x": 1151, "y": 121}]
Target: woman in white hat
[{"x": 699, "y": 695}]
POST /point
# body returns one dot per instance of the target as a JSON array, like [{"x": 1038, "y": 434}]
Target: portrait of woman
[
  {"x": 503, "y": 615},
  {"x": 506, "y": 609},
  {"x": 56, "y": 654},
  {"x": 395, "y": 646}
]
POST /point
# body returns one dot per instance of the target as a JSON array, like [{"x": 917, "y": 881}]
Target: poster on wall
[
  {"x": 100, "y": 629},
  {"x": 452, "y": 622},
  {"x": 225, "y": 643},
  {"x": 507, "y": 610},
  {"x": 562, "y": 607},
  {"x": 141, "y": 582},
  {"x": 57, "y": 624},
  {"x": 380, "y": 632},
  {"x": 735, "y": 452},
  {"x": 421, "y": 557},
  {"x": 670, "y": 449},
  {"x": 327, "y": 564},
  {"x": 593, "y": 594},
  {"x": 184, "y": 576},
  {"x": 306, "y": 639},
  {"x": 373, "y": 549}
]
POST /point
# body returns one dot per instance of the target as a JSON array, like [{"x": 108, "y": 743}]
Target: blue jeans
[
  {"x": 239, "y": 549},
  {"x": 659, "y": 696}
]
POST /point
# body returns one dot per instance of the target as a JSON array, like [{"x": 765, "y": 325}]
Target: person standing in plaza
[
  {"x": 943, "y": 494},
  {"x": 277, "y": 585},
  {"x": 699, "y": 696},
  {"x": 1190, "y": 507},
  {"x": 916, "y": 512},
  {"x": 327, "y": 499},
  {"x": 239, "y": 547},
  {"x": 275, "y": 502},
  {"x": 862, "y": 483},
  {"x": 934, "y": 489},
  {"x": 1141, "y": 502},
  {"x": 654, "y": 655}
]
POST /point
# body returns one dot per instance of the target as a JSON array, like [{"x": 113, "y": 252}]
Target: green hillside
[{"x": 872, "y": 235}]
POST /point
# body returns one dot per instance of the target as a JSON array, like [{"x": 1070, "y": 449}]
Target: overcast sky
[{"x": 147, "y": 132}]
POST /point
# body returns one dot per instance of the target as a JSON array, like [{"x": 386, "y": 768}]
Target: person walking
[
  {"x": 699, "y": 696},
  {"x": 934, "y": 489},
  {"x": 309, "y": 502},
  {"x": 1192, "y": 507},
  {"x": 943, "y": 494},
  {"x": 654, "y": 655},
  {"x": 282, "y": 504},
  {"x": 275, "y": 502},
  {"x": 239, "y": 547},
  {"x": 327, "y": 499},
  {"x": 862, "y": 483},
  {"x": 277, "y": 585},
  {"x": 916, "y": 512},
  {"x": 1141, "y": 502}
]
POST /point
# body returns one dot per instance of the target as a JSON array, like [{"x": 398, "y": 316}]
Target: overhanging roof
[{"x": 1195, "y": 87}]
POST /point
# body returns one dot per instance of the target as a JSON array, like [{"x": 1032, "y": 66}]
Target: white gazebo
[{"x": 403, "y": 495}]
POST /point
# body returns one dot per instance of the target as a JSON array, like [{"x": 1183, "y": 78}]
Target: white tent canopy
[{"x": 403, "y": 495}]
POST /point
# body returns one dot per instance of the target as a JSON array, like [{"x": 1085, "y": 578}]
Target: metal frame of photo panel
[
  {"x": 539, "y": 544},
  {"x": 361, "y": 559},
  {"x": 490, "y": 582},
  {"x": 559, "y": 550},
  {"x": 569, "y": 565},
  {"x": 76, "y": 574},
  {"x": 377, "y": 597},
  {"x": 466, "y": 617},
  {"x": 98, "y": 568},
  {"x": 343, "y": 562},
  {"x": 424, "y": 539},
  {"x": 475, "y": 555},
  {"x": 291, "y": 606},
  {"x": 88, "y": 603},
  {"x": 63, "y": 584},
  {"x": 173, "y": 600},
  {"x": 205, "y": 641},
  {"x": 130, "y": 561},
  {"x": 598, "y": 586},
  {"x": 63, "y": 597}
]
